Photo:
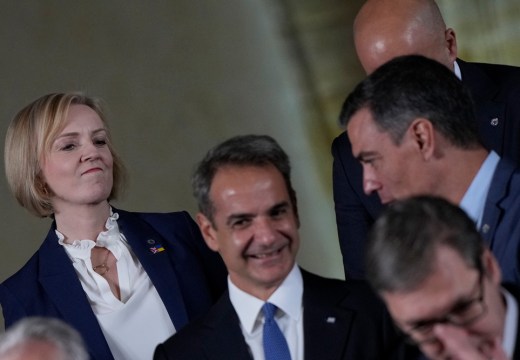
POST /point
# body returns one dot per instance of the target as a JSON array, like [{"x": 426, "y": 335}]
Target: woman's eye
[
  {"x": 68, "y": 147},
  {"x": 100, "y": 142}
]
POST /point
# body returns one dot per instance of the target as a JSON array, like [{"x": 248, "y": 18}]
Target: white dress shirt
[
  {"x": 134, "y": 325},
  {"x": 474, "y": 200},
  {"x": 289, "y": 317},
  {"x": 511, "y": 324}
]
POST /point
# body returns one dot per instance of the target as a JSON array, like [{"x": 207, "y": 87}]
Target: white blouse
[{"x": 134, "y": 325}]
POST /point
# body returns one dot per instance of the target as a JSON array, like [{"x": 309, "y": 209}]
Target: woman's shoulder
[
  {"x": 167, "y": 216},
  {"x": 178, "y": 224}
]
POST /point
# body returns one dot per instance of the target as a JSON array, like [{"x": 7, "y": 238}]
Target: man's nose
[{"x": 370, "y": 182}]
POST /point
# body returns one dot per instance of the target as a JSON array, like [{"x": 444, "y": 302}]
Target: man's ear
[
  {"x": 208, "y": 231},
  {"x": 423, "y": 134},
  {"x": 451, "y": 43},
  {"x": 491, "y": 267}
]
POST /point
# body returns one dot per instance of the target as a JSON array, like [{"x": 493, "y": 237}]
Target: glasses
[{"x": 463, "y": 314}]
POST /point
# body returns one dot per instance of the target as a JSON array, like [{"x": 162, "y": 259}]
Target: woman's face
[{"x": 78, "y": 168}]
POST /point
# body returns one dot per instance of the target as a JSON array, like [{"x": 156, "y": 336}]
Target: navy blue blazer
[
  {"x": 188, "y": 276},
  {"x": 500, "y": 226},
  {"x": 361, "y": 329},
  {"x": 496, "y": 93}
]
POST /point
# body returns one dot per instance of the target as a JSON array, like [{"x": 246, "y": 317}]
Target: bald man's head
[{"x": 384, "y": 29}]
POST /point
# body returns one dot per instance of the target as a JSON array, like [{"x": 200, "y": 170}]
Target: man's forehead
[
  {"x": 243, "y": 183},
  {"x": 363, "y": 131},
  {"x": 448, "y": 281}
]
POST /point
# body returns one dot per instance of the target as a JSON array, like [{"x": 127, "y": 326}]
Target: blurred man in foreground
[{"x": 440, "y": 282}]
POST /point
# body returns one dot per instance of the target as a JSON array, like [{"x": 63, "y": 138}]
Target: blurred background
[{"x": 179, "y": 76}]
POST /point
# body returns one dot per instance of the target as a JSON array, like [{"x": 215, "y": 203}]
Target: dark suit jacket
[
  {"x": 362, "y": 329},
  {"x": 187, "y": 275},
  {"x": 496, "y": 92},
  {"x": 500, "y": 226}
]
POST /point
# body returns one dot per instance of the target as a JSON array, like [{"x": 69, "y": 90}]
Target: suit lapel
[
  {"x": 326, "y": 326},
  {"x": 224, "y": 335},
  {"x": 158, "y": 265},
  {"x": 61, "y": 284},
  {"x": 494, "y": 208}
]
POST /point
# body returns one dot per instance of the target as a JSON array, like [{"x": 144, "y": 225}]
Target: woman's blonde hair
[{"x": 29, "y": 138}]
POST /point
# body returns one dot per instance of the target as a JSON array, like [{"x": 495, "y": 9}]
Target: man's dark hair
[
  {"x": 402, "y": 245},
  {"x": 411, "y": 87},
  {"x": 244, "y": 150}
]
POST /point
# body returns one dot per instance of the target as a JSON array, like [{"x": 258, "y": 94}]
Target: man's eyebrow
[
  {"x": 238, "y": 216},
  {"x": 280, "y": 205},
  {"x": 367, "y": 154},
  {"x": 461, "y": 300}
]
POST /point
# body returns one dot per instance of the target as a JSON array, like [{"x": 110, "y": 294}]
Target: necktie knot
[
  {"x": 269, "y": 311},
  {"x": 275, "y": 345}
]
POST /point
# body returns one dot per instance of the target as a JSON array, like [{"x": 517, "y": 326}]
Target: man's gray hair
[
  {"x": 66, "y": 339},
  {"x": 402, "y": 245}
]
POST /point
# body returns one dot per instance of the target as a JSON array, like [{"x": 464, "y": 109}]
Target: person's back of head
[
  {"x": 39, "y": 338},
  {"x": 384, "y": 29},
  {"x": 401, "y": 246},
  {"x": 411, "y": 87}
]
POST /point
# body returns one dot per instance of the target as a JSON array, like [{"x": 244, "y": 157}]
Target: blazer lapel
[
  {"x": 142, "y": 237},
  {"x": 224, "y": 335},
  {"x": 61, "y": 284},
  {"x": 494, "y": 208}
]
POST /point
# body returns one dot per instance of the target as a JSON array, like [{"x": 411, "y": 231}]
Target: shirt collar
[
  {"x": 456, "y": 70},
  {"x": 287, "y": 297},
  {"x": 511, "y": 324},
  {"x": 474, "y": 200}
]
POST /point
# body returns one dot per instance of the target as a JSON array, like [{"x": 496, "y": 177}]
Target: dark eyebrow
[
  {"x": 364, "y": 154},
  {"x": 463, "y": 300},
  {"x": 279, "y": 206},
  {"x": 239, "y": 216}
]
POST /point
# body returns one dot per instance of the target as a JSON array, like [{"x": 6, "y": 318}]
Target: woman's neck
[{"x": 82, "y": 222}]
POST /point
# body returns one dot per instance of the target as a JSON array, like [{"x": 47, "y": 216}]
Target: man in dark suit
[
  {"x": 441, "y": 283},
  {"x": 384, "y": 29},
  {"x": 248, "y": 214},
  {"x": 412, "y": 126}
]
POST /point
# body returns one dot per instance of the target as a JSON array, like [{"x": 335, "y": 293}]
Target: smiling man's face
[{"x": 254, "y": 228}]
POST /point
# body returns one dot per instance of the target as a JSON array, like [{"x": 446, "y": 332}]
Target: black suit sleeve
[{"x": 355, "y": 212}]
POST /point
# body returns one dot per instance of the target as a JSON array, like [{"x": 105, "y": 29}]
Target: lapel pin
[
  {"x": 150, "y": 241},
  {"x": 331, "y": 320},
  {"x": 156, "y": 249},
  {"x": 494, "y": 121}
]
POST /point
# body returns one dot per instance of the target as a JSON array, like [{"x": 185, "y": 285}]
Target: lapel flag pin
[{"x": 156, "y": 249}]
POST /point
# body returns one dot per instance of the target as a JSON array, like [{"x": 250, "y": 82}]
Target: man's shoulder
[
  {"x": 348, "y": 293},
  {"x": 217, "y": 330},
  {"x": 341, "y": 145},
  {"x": 506, "y": 78}
]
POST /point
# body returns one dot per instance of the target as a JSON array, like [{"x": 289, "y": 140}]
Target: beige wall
[{"x": 180, "y": 76}]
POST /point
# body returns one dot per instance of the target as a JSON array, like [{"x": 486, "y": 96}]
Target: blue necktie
[{"x": 275, "y": 345}]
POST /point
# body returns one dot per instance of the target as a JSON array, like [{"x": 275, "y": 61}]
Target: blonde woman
[{"x": 126, "y": 281}]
